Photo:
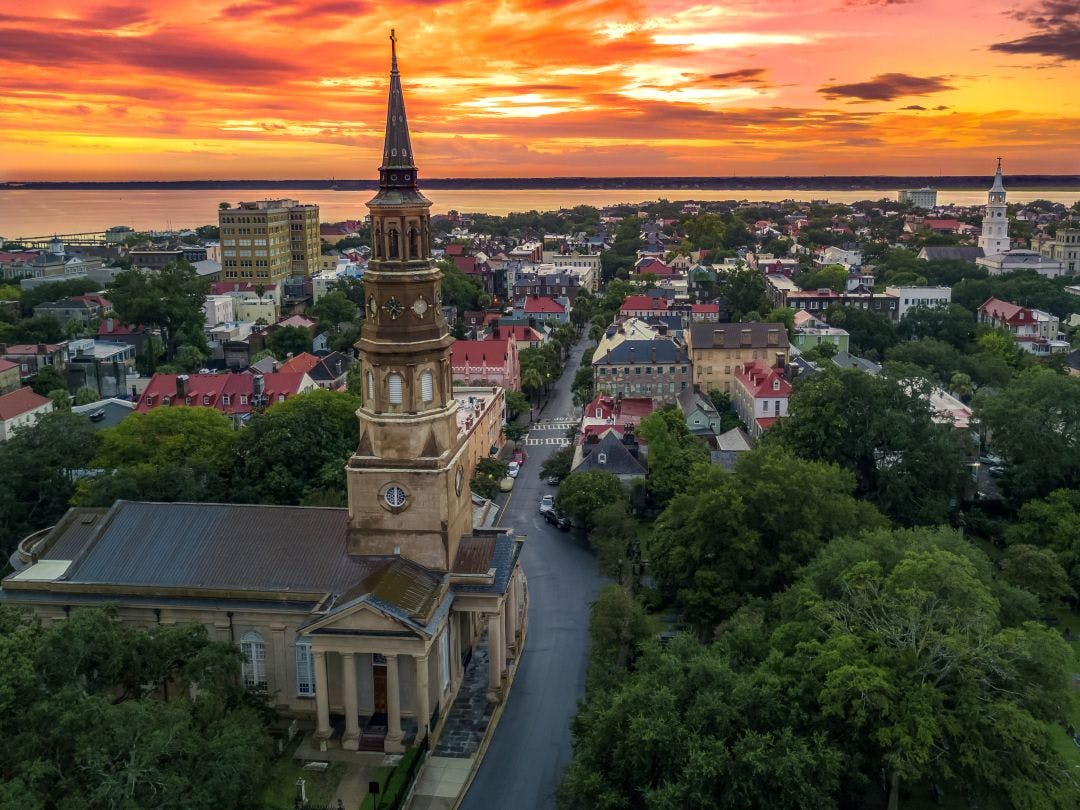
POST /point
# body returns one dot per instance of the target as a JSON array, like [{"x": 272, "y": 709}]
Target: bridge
[{"x": 79, "y": 239}]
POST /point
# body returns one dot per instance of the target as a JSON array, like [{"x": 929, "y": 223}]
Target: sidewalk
[{"x": 447, "y": 773}]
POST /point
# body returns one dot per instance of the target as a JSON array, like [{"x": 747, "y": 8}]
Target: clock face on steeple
[{"x": 393, "y": 308}]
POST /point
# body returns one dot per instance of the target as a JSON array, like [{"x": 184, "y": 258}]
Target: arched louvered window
[
  {"x": 254, "y": 667},
  {"x": 394, "y": 385},
  {"x": 427, "y": 386},
  {"x": 370, "y": 389}
]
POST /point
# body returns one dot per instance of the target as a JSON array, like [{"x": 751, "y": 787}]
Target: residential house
[
  {"x": 818, "y": 301},
  {"x": 643, "y": 306},
  {"x": 542, "y": 309},
  {"x": 717, "y": 350},
  {"x": 658, "y": 369},
  {"x": 32, "y": 357},
  {"x": 328, "y": 371},
  {"x": 613, "y": 452},
  {"x": 111, "y": 330},
  {"x": 68, "y": 310},
  {"x": 623, "y": 414},
  {"x": 725, "y": 450},
  {"x": 487, "y": 362},
  {"x": 20, "y": 408},
  {"x": 1035, "y": 331},
  {"x": 235, "y": 395},
  {"x": 760, "y": 394},
  {"x": 10, "y": 379},
  {"x": 700, "y": 414},
  {"x": 526, "y": 337}
]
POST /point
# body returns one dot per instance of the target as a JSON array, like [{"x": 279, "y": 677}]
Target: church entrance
[{"x": 378, "y": 684}]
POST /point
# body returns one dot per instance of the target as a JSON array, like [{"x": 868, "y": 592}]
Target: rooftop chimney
[
  {"x": 181, "y": 386},
  {"x": 258, "y": 385}
]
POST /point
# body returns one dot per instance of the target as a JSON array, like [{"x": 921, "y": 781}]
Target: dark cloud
[
  {"x": 913, "y": 107},
  {"x": 165, "y": 51},
  {"x": 115, "y": 16},
  {"x": 744, "y": 76},
  {"x": 293, "y": 12},
  {"x": 1058, "y": 37},
  {"x": 886, "y": 87}
]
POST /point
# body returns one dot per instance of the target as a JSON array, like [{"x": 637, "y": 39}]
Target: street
[{"x": 531, "y": 746}]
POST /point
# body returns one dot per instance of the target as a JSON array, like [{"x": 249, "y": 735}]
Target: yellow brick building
[
  {"x": 717, "y": 350},
  {"x": 269, "y": 240}
]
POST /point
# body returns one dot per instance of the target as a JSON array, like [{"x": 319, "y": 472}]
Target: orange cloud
[{"x": 178, "y": 89}]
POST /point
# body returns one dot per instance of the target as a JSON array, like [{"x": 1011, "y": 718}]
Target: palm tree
[
  {"x": 532, "y": 381},
  {"x": 595, "y": 333}
]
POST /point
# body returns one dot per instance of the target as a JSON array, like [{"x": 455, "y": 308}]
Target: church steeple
[
  {"x": 398, "y": 169},
  {"x": 995, "y": 226}
]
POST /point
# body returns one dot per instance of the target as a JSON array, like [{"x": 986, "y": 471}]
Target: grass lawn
[{"x": 280, "y": 790}]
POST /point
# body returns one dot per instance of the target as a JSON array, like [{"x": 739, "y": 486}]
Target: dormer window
[
  {"x": 206, "y": 399},
  {"x": 601, "y": 458},
  {"x": 776, "y": 385}
]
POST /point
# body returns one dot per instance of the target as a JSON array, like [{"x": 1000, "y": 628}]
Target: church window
[
  {"x": 427, "y": 386},
  {"x": 305, "y": 668},
  {"x": 393, "y": 250},
  {"x": 254, "y": 666},
  {"x": 395, "y": 496},
  {"x": 370, "y": 388},
  {"x": 414, "y": 248},
  {"x": 394, "y": 384},
  {"x": 378, "y": 243}
]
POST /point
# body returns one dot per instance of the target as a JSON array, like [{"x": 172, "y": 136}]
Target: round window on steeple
[{"x": 393, "y": 177}]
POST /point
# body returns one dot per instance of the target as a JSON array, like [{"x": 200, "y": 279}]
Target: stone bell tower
[
  {"x": 995, "y": 226},
  {"x": 408, "y": 488}
]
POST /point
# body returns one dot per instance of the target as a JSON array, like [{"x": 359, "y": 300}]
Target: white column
[
  {"x": 393, "y": 707},
  {"x": 423, "y": 705},
  {"x": 351, "y": 740},
  {"x": 495, "y": 655},
  {"x": 322, "y": 698},
  {"x": 512, "y": 615}
]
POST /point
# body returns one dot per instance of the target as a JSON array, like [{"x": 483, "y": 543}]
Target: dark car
[
  {"x": 552, "y": 480},
  {"x": 556, "y": 519}
]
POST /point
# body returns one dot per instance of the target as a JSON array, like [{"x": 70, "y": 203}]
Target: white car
[
  {"x": 547, "y": 503},
  {"x": 512, "y": 469}
]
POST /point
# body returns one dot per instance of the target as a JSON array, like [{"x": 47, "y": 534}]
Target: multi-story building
[
  {"x": 817, "y": 301},
  {"x": 10, "y": 379},
  {"x": 1035, "y": 331},
  {"x": 1065, "y": 246},
  {"x": 103, "y": 367},
  {"x": 67, "y": 310},
  {"x": 717, "y": 350},
  {"x": 910, "y": 297},
  {"x": 924, "y": 197},
  {"x": 20, "y": 408},
  {"x": 268, "y": 240},
  {"x": 584, "y": 266},
  {"x": 32, "y": 357},
  {"x": 760, "y": 394},
  {"x": 657, "y": 369},
  {"x": 486, "y": 362},
  {"x": 1012, "y": 260}
]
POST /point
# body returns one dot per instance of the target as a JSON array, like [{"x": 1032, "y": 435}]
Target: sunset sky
[{"x": 184, "y": 89}]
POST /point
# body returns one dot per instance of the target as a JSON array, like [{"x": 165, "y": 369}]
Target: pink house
[
  {"x": 760, "y": 395},
  {"x": 486, "y": 362}
]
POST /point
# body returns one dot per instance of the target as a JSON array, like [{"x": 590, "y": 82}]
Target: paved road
[{"x": 531, "y": 746}]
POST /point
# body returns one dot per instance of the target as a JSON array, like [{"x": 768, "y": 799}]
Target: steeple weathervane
[{"x": 393, "y": 54}]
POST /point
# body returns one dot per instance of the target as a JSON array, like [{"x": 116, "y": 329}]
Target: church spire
[
  {"x": 999, "y": 185},
  {"x": 398, "y": 169}
]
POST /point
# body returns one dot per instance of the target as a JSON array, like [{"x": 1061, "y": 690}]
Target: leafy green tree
[
  {"x": 190, "y": 358},
  {"x": 37, "y": 472},
  {"x": 297, "y": 450},
  {"x": 744, "y": 290},
  {"x": 558, "y": 463},
  {"x": 881, "y": 429},
  {"x": 47, "y": 380},
  {"x": 333, "y": 308},
  {"x": 353, "y": 289},
  {"x": 85, "y": 723},
  {"x": 1038, "y": 571},
  {"x": 166, "y": 454},
  {"x": 583, "y": 494},
  {"x": 288, "y": 340},
  {"x": 84, "y": 396},
  {"x": 615, "y": 538},
  {"x": 821, "y": 351},
  {"x": 618, "y": 627},
  {"x": 1052, "y": 523},
  {"x": 532, "y": 380},
  {"x": 170, "y": 299},
  {"x": 871, "y": 334},
  {"x": 1035, "y": 424},
  {"x": 460, "y": 290},
  {"x": 832, "y": 276},
  {"x": 516, "y": 403},
  {"x": 722, "y": 402},
  {"x": 61, "y": 399},
  {"x": 618, "y": 260},
  {"x": 487, "y": 476},
  {"x": 705, "y": 231},
  {"x": 673, "y": 452},
  {"x": 952, "y": 324}
]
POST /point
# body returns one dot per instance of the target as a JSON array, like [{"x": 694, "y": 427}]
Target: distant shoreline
[{"x": 823, "y": 183}]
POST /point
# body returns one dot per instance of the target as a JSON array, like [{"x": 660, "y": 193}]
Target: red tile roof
[
  {"x": 705, "y": 308},
  {"x": 209, "y": 389},
  {"x": 489, "y": 352},
  {"x": 6, "y": 365},
  {"x": 17, "y": 256},
  {"x": 302, "y": 363},
  {"x": 758, "y": 377},
  {"x": 31, "y": 349},
  {"x": 542, "y": 303},
  {"x": 111, "y": 326},
  {"x": 627, "y": 410},
  {"x": 635, "y": 303},
  {"x": 455, "y": 250},
  {"x": 1006, "y": 311},
  {"x": 20, "y": 401},
  {"x": 520, "y": 332}
]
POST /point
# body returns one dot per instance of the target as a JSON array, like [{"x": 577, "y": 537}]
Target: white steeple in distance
[{"x": 995, "y": 226}]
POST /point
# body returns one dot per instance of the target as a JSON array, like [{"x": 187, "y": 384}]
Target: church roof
[{"x": 998, "y": 183}]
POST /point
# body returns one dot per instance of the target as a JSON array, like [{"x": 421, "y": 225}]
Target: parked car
[
  {"x": 553, "y": 480},
  {"x": 996, "y": 471},
  {"x": 991, "y": 459},
  {"x": 506, "y": 484},
  {"x": 547, "y": 503},
  {"x": 520, "y": 456},
  {"x": 556, "y": 519},
  {"x": 512, "y": 469}
]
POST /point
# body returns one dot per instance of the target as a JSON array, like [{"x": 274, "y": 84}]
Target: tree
[
  {"x": 353, "y": 289},
  {"x": 558, "y": 463},
  {"x": 167, "y": 454},
  {"x": 297, "y": 450},
  {"x": 952, "y": 324},
  {"x": 84, "y": 396},
  {"x": 516, "y": 403},
  {"x": 86, "y": 697},
  {"x": 615, "y": 538},
  {"x": 37, "y": 471},
  {"x": 673, "y": 452},
  {"x": 832, "y": 276},
  {"x": 460, "y": 290},
  {"x": 170, "y": 299},
  {"x": 582, "y": 494},
  {"x": 61, "y": 399},
  {"x": 1035, "y": 424},
  {"x": 744, "y": 290},
  {"x": 532, "y": 381},
  {"x": 722, "y": 402},
  {"x": 289, "y": 340},
  {"x": 487, "y": 476},
  {"x": 881, "y": 429},
  {"x": 48, "y": 379},
  {"x": 871, "y": 333},
  {"x": 190, "y": 358},
  {"x": 1052, "y": 523},
  {"x": 333, "y": 308}
]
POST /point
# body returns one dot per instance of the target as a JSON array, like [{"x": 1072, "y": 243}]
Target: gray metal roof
[
  {"x": 644, "y": 351},
  {"x": 617, "y": 458},
  {"x": 731, "y": 335},
  {"x": 221, "y": 546}
]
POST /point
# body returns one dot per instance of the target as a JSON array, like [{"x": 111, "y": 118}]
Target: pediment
[{"x": 361, "y": 616}]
